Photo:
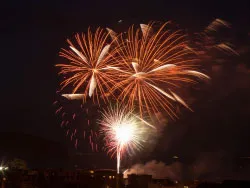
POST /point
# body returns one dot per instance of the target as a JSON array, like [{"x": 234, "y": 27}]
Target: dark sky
[{"x": 32, "y": 34}]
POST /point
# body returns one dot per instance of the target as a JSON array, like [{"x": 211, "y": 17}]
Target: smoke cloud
[
  {"x": 208, "y": 166},
  {"x": 158, "y": 170}
]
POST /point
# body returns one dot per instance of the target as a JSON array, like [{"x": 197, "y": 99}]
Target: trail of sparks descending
[
  {"x": 78, "y": 120},
  {"x": 86, "y": 70},
  {"x": 150, "y": 63},
  {"x": 123, "y": 131}
]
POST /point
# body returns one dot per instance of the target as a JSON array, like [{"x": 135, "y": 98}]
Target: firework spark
[
  {"x": 150, "y": 63},
  {"x": 123, "y": 132},
  {"x": 87, "y": 68},
  {"x": 78, "y": 120}
]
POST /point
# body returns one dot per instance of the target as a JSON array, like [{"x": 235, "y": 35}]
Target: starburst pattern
[
  {"x": 87, "y": 68},
  {"x": 152, "y": 64},
  {"x": 123, "y": 131}
]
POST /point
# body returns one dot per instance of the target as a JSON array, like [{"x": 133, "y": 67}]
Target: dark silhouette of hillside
[{"x": 37, "y": 151}]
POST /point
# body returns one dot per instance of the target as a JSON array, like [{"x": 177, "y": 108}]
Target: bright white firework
[{"x": 123, "y": 132}]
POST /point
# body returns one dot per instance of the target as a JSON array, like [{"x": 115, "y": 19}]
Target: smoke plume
[{"x": 158, "y": 170}]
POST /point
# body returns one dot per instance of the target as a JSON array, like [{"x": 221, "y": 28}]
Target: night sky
[{"x": 33, "y": 33}]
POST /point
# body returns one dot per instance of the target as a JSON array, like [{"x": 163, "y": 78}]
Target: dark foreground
[{"x": 101, "y": 178}]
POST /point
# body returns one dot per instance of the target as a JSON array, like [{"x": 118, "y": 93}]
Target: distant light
[
  {"x": 91, "y": 172},
  {"x": 104, "y": 176},
  {"x": 113, "y": 177},
  {"x": 110, "y": 177},
  {"x": 6, "y": 168},
  {"x": 1, "y": 168}
]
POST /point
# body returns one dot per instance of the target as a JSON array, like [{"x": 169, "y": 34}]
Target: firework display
[
  {"x": 141, "y": 71},
  {"x": 87, "y": 68},
  {"x": 153, "y": 63},
  {"x": 145, "y": 67},
  {"x": 123, "y": 132}
]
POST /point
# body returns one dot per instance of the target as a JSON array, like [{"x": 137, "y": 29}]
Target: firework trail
[
  {"x": 87, "y": 70},
  {"x": 216, "y": 24},
  {"x": 152, "y": 64},
  {"x": 123, "y": 132},
  {"x": 209, "y": 39},
  {"x": 78, "y": 121}
]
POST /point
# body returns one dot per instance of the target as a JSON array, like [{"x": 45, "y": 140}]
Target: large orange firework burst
[
  {"x": 152, "y": 64},
  {"x": 87, "y": 68}
]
